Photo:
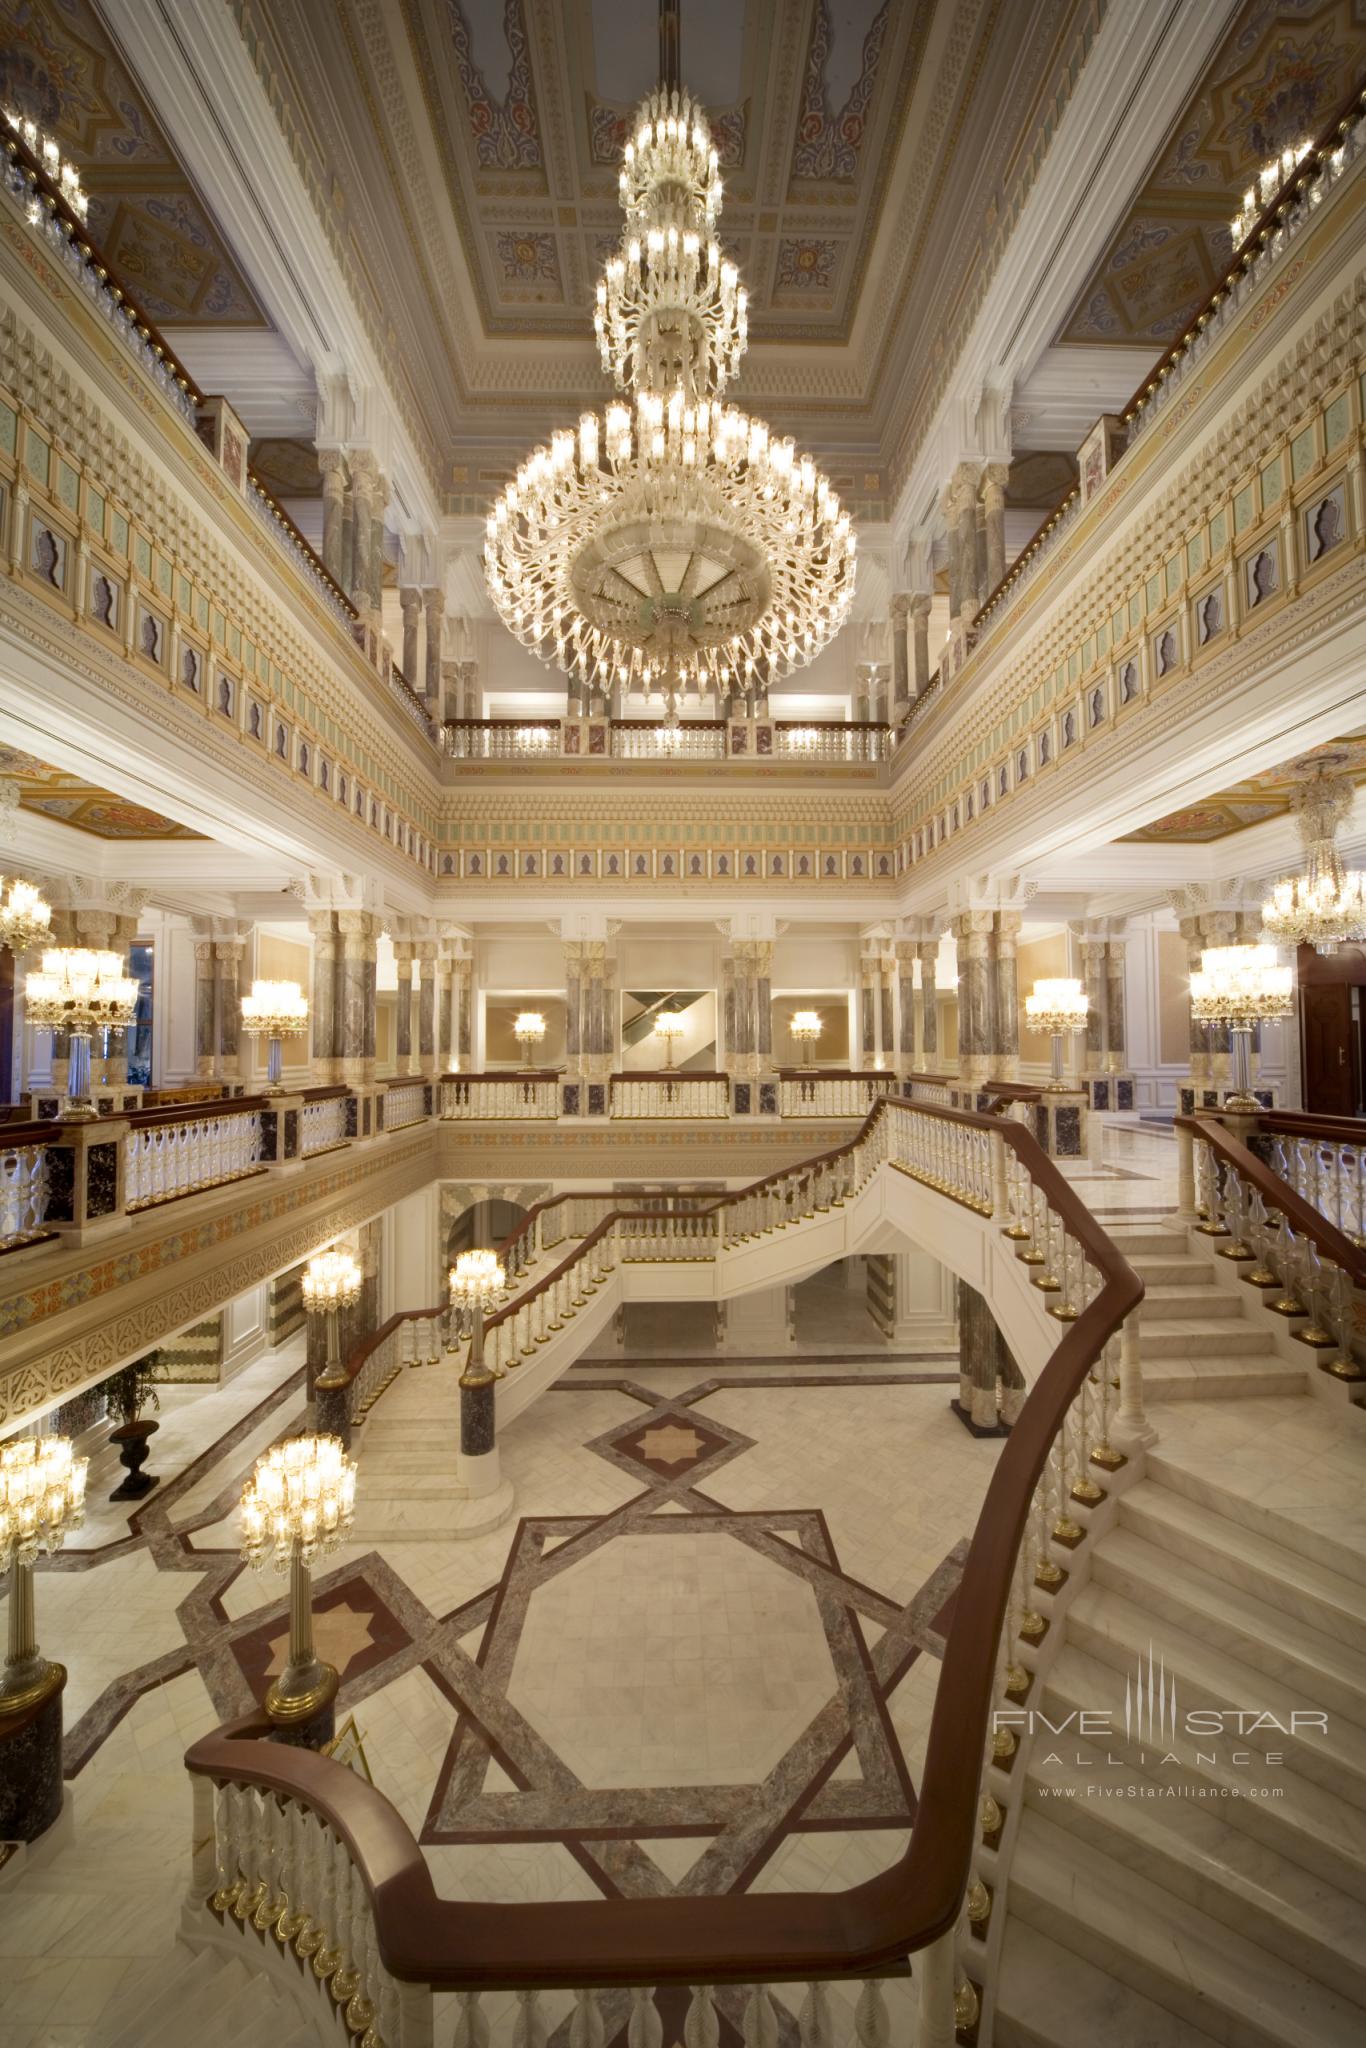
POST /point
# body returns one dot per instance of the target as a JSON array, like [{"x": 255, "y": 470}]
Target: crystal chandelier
[
  {"x": 1325, "y": 905},
  {"x": 274, "y": 1010},
  {"x": 528, "y": 1029},
  {"x": 24, "y": 917},
  {"x": 805, "y": 1028},
  {"x": 672, "y": 544}
]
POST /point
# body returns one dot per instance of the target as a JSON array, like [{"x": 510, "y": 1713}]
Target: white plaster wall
[{"x": 246, "y": 1326}]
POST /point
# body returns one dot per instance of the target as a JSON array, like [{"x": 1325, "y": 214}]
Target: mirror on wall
[
  {"x": 643, "y": 1050},
  {"x": 501, "y": 1047},
  {"x": 831, "y": 1049}
]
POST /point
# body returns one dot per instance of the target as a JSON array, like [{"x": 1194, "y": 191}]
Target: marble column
[
  {"x": 363, "y": 480},
  {"x": 378, "y": 504},
  {"x": 573, "y": 1006},
  {"x": 1219, "y": 928},
  {"x": 728, "y": 1013},
  {"x": 348, "y": 532},
  {"x": 1093, "y": 977},
  {"x": 905, "y": 963},
  {"x": 991, "y": 1387},
  {"x": 865, "y": 693},
  {"x": 1005, "y": 1008},
  {"x": 434, "y": 605},
  {"x": 1116, "y": 1029},
  {"x": 359, "y": 932},
  {"x": 426, "y": 1010},
  {"x": 886, "y": 1008},
  {"x": 763, "y": 1005},
  {"x": 927, "y": 1052},
  {"x": 901, "y": 667},
  {"x": 1199, "y": 1041},
  {"x": 920, "y": 643},
  {"x": 410, "y": 603},
  {"x": 960, "y": 516},
  {"x": 334, "y": 492},
  {"x": 116, "y": 1066},
  {"x": 205, "y": 991},
  {"x": 994, "y": 507},
  {"x": 469, "y": 689},
  {"x": 869, "y": 1018},
  {"x": 973, "y": 931},
  {"x": 228, "y": 958},
  {"x": 323, "y": 998},
  {"x": 445, "y": 1016},
  {"x": 403, "y": 1008}
]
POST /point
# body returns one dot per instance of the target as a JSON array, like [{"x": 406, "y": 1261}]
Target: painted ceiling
[
  {"x": 1268, "y": 795},
  {"x": 466, "y": 155},
  {"x": 1278, "y": 77},
  {"x": 54, "y": 794},
  {"x": 59, "y": 67}
]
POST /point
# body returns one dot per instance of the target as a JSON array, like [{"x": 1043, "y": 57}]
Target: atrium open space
[{"x": 683, "y": 1023}]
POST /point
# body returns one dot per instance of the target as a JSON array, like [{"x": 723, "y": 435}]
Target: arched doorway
[{"x": 483, "y": 1227}]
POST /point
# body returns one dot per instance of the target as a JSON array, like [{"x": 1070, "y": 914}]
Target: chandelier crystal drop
[
  {"x": 1325, "y": 905},
  {"x": 672, "y": 543}
]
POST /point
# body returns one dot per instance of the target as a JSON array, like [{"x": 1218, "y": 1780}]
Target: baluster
[
  {"x": 760, "y": 2025},
  {"x": 701, "y": 2027},
  {"x": 872, "y": 2027},
  {"x": 530, "y": 2029},
  {"x": 471, "y": 2021},
  {"x": 815, "y": 2027},
  {"x": 644, "y": 2028},
  {"x": 586, "y": 2028}
]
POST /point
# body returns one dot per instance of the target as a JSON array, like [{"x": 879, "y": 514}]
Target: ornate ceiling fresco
[
  {"x": 54, "y": 794},
  {"x": 1279, "y": 75},
  {"x": 59, "y": 67},
  {"x": 1268, "y": 795},
  {"x": 464, "y": 155}
]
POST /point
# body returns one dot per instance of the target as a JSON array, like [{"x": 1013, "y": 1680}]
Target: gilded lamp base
[{"x": 301, "y": 1706}]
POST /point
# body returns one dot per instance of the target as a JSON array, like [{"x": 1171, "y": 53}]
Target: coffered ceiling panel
[
  {"x": 1279, "y": 75},
  {"x": 52, "y": 793},
  {"x": 59, "y": 67},
  {"x": 1268, "y": 795}
]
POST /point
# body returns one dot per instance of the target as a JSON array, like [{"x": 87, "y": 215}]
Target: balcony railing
[
  {"x": 173, "y": 1152},
  {"x": 326, "y": 1122},
  {"x": 664, "y": 1094},
  {"x": 466, "y": 1098},
  {"x": 405, "y": 1103},
  {"x": 809, "y": 1091},
  {"x": 744, "y": 741},
  {"x": 23, "y": 1186}
]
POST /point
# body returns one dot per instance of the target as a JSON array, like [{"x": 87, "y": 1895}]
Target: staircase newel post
[
  {"x": 1185, "y": 1174},
  {"x": 1132, "y": 1430}
]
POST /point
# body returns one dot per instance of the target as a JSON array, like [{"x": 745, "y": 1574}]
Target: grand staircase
[{"x": 1155, "y": 1904}]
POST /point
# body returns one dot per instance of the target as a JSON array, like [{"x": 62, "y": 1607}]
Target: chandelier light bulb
[
  {"x": 42, "y": 1496},
  {"x": 1057, "y": 1006},
  {"x": 476, "y": 1280},
  {"x": 1242, "y": 987},
  {"x": 299, "y": 1501},
  {"x": 25, "y": 919},
  {"x": 331, "y": 1280},
  {"x": 275, "y": 1010}
]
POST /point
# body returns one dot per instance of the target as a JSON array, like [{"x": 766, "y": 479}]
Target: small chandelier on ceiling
[
  {"x": 1325, "y": 905},
  {"x": 672, "y": 544}
]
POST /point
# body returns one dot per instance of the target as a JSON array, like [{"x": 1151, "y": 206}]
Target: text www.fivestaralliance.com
[{"x": 1161, "y": 1792}]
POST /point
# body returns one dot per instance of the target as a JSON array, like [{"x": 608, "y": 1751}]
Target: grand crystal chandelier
[
  {"x": 673, "y": 544},
  {"x": 1325, "y": 905}
]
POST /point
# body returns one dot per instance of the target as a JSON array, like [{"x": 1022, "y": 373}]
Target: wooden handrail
[
  {"x": 1303, "y": 1217},
  {"x": 1304, "y": 1123},
  {"x": 752, "y": 1937},
  {"x": 508, "y": 1074},
  {"x": 187, "y": 1112}
]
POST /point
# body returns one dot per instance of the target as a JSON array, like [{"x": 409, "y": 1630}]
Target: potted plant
[{"x": 128, "y": 1392}]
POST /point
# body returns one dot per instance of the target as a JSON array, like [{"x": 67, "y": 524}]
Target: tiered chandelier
[
  {"x": 1325, "y": 906},
  {"x": 673, "y": 544}
]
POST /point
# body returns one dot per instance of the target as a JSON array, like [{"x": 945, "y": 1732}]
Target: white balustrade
[
  {"x": 324, "y": 1125},
  {"x": 818, "y": 1094},
  {"x": 1329, "y": 1172},
  {"x": 186, "y": 1154},
  {"x": 23, "y": 1192},
  {"x": 404, "y": 1105},
  {"x": 501, "y": 739},
  {"x": 498, "y": 1098},
  {"x": 827, "y": 742},
  {"x": 692, "y": 739},
  {"x": 656, "y": 1096}
]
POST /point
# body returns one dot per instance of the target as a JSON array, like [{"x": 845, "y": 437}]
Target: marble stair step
[
  {"x": 1178, "y": 1336},
  {"x": 1161, "y": 1303},
  {"x": 1305, "y": 1823},
  {"x": 1214, "y": 1376},
  {"x": 1240, "y": 1503},
  {"x": 1138, "y": 1239},
  {"x": 1169, "y": 1951},
  {"x": 1196, "y": 1852},
  {"x": 1237, "y": 1557},
  {"x": 377, "y": 1486},
  {"x": 1050, "y": 1997},
  {"x": 1326, "y": 1670},
  {"x": 1171, "y": 1269},
  {"x": 255, "y": 2014},
  {"x": 1120, "y": 1632}
]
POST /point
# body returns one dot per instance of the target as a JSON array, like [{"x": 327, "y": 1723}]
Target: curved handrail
[
  {"x": 752, "y": 1937},
  {"x": 1301, "y": 1215},
  {"x": 1304, "y": 1123}
]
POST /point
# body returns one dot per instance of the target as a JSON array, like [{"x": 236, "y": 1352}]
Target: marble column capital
[
  {"x": 409, "y": 599},
  {"x": 228, "y": 949},
  {"x": 995, "y": 476},
  {"x": 331, "y": 466},
  {"x": 203, "y": 949},
  {"x": 919, "y": 603},
  {"x": 900, "y": 607}
]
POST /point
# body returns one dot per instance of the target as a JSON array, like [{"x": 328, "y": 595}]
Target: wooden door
[{"x": 1329, "y": 1049}]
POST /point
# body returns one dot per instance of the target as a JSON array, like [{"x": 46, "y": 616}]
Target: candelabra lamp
[
  {"x": 528, "y": 1029},
  {"x": 25, "y": 920},
  {"x": 669, "y": 1025},
  {"x": 275, "y": 1010},
  {"x": 1242, "y": 987},
  {"x": 42, "y": 1498},
  {"x": 80, "y": 992},
  {"x": 805, "y": 1029},
  {"x": 476, "y": 1281},
  {"x": 296, "y": 1507},
  {"x": 332, "y": 1281},
  {"x": 1057, "y": 1007}
]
